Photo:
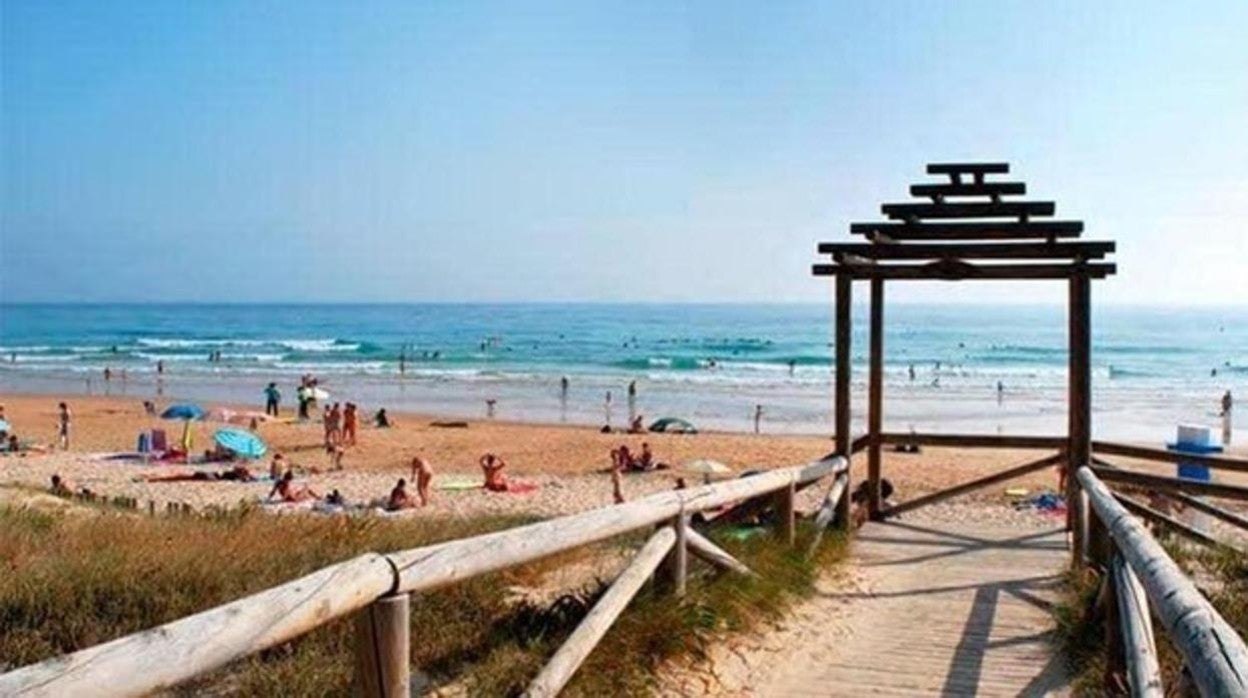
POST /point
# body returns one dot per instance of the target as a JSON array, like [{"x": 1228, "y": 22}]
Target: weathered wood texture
[
  {"x": 569, "y": 657},
  {"x": 974, "y": 440},
  {"x": 1002, "y": 209},
  {"x": 1002, "y": 230},
  {"x": 383, "y": 648},
  {"x": 837, "y": 493},
  {"x": 1009, "y": 474},
  {"x": 985, "y": 189},
  {"x": 1139, "y": 647},
  {"x": 935, "y": 608},
  {"x": 704, "y": 549},
  {"x": 1159, "y": 518},
  {"x": 950, "y": 168},
  {"x": 166, "y": 655},
  {"x": 1215, "y": 655},
  {"x": 968, "y": 250},
  {"x": 843, "y": 376},
  {"x": 1172, "y": 484},
  {"x": 1079, "y": 410},
  {"x": 1160, "y": 454},
  {"x": 1231, "y": 517},
  {"x": 875, "y": 397}
]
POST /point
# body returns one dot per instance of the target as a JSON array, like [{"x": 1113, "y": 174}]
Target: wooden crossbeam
[
  {"x": 979, "y": 230},
  {"x": 1150, "y": 514},
  {"x": 1172, "y": 484},
  {"x": 1158, "y": 454},
  {"x": 973, "y": 440},
  {"x": 969, "y": 250},
  {"x": 957, "y": 271},
  {"x": 977, "y": 209},
  {"x": 966, "y": 189},
  {"x": 968, "y": 168},
  {"x": 1196, "y": 503},
  {"x": 1018, "y": 471}
]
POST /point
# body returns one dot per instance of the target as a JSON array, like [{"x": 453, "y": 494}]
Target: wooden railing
[
  {"x": 1140, "y": 576},
  {"x": 376, "y": 587}
]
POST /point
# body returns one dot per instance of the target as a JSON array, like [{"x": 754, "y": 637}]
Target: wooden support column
[
  {"x": 1080, "y": 409},
  {"x": 844, "y": 320},
  {"x": 383, "y": 648},
  {"x": 875, "y": 399},
  {"x": 675, "y": 571},
  {"x": 786, "y": 512}
]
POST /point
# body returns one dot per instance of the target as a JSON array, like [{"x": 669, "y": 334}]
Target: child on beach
[
  {"x": 62, "y": 428},
  {"x": 381, "y": 419},
  {"x": 492, "y": 466},
  {"x": 422, "y": 473}
]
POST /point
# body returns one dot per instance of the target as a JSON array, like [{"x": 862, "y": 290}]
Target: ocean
[{"x": 711, "y": 364}]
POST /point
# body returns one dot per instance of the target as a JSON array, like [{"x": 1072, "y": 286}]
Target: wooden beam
[
  {"x": 569, "y": 657},
  {"x": 827, "y": 511},
  {"x": 786, "y": 512},
  {"x": 706, "y": 550},
  {"x": 968, "y": 167},
  {"x": 977, "y": 209},
  {"x": 1172, "y": 484},
  {"x": 1215, "y": 654},
  {"x": 159, "y": 658},
  {"x": 939, "y": 271},
  {"x": 860, "y": 442},
  {"x": 973, "y": 440},
  {"x": 675, "y": 568},
  {"x": 1196, "y": 503},
  {"x": 978, "y": 230},
  {"x": 875, "y": 397},
  {"x": 1166, "y": 456},
  {"x": 844, "y": 329},
  {"x": 968, "y": 250},
  {"x": 1143, "y": 669},
  {"x": 1017, "y": 471},
  {"x": 383, "y": 648},
  {"x": 1079, "y": 414},
  {"x": 436, "y": 566},
  {"x": 984, "y": 189}
]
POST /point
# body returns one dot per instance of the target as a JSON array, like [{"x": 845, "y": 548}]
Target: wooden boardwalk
[{"x": 941, "y": 609}]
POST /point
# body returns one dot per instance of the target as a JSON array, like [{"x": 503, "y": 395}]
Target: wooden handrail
[
  {"x": 1172, "y": 484},
  {"x": 1160, "y": 454},
  {"x": 1139, "y": 648},
  {"x": 1215, "y": 654},
  {"x": 973, "y": 440},
  {"x": 167, "y": 655}
]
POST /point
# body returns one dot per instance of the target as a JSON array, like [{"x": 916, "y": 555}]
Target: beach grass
[
  {"x": 74, "y": 580},
  {"x": 1222, "y": 576}
]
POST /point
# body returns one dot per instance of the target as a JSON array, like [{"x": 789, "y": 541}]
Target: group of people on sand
[{"x": 623, "y": 460}]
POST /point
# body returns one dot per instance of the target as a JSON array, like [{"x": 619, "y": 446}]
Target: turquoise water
[{"x": 1152, "y": 366}]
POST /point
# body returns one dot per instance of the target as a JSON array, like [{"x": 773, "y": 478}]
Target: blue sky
[{"x": 636, "y": 151}]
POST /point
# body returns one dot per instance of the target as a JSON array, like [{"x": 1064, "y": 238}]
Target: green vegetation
[
  {"x": 1223, "y": 577},
  {"x": 73, "y": 581}
]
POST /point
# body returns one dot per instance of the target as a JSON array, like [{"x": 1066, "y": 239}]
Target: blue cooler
[{"x": 1196, "y": 440}]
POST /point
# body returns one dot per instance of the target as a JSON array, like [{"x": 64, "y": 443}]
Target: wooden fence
[
  {"x": 376, "y": 588},
  {"x": 1141, "y": 576}
]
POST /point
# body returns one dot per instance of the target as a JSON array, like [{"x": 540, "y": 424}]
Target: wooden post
[
  {"x": 1116, "y": 657},
  {"x": 786, "y": 512},
  {"x": 875, "y": 398},
  {"x": 383, "y": 648},
  {"x": 1080, "y": 408},
  {"x": 1140, "y": 650},
  {"x": 674, "y": 572},
  {"x": 844, "y": 319}
]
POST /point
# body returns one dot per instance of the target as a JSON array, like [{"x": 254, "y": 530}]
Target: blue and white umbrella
[{"x": 185, "y": 411}]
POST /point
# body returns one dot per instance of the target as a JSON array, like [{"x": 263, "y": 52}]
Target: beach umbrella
[
  {"x": 705, "y": 466},
  {"x": 673, "y": 425},
  {"x": 241, "y": 442},
  {"x": 185, "y": 411}
]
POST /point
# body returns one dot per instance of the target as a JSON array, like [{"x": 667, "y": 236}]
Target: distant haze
[{"x": 308, "y": 151}]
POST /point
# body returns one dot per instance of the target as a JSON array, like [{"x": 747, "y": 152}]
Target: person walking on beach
[
  {"x": 607, "y": 408},
  {"x": 272, "y": 397},
  {"x": 1227, "y": 404},
  {"x": 758, "y": 418},
  {"x": 911, "y": 371},
  {"x": 1000, "y": 392},
  {"x": 422, "y": 473},
  {"x": 563, "y": 399},
  {"x": 632, "y": 400},
  {"x": 62, "y": 428},
  {"x": 350, "y": 424},
  {"x": 792, "y": 367}
]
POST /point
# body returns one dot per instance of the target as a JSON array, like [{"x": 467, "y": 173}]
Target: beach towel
[
  {"x": 457, "y": 485},
  {"x": 522, "y": 487}
]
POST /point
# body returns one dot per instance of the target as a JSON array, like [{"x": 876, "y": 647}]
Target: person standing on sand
[
  {"x": 422, "y": 473},
  {"x": 607, "y": 408},
  {"x": 792, "y": 368},
  {"x": 1227, "y": 403},
  {"x": 1000, "y": 392},
  {"x": 563, "y": 399},
  {"x": 758, "y": 418},
  {"x": 62, "y": 426},
  {"x": 272, "y": 398},
  {"x": 350, "y": 424},
  {"x": 632, "y": 400},
  {"x": 617, "y": 491}
]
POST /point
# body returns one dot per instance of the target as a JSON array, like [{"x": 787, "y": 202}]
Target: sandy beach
[{"x": 567, "y": 462}]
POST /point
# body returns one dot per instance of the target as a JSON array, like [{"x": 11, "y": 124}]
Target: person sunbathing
[
  {"x": 492, "y": 466},
  {"x": 400, "y": 498},
  {"x": 646, "y": 461},
  {"x": 286, "y": 492},
  {"x": 62, "y": 488},
  {"x": 622, "y": 459},
  {"x": 422, "y": 473},
  {"x": 238, "y": 473}
]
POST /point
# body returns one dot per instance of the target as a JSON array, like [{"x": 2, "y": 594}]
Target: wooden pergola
[{"x": 960, "y": 229}]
